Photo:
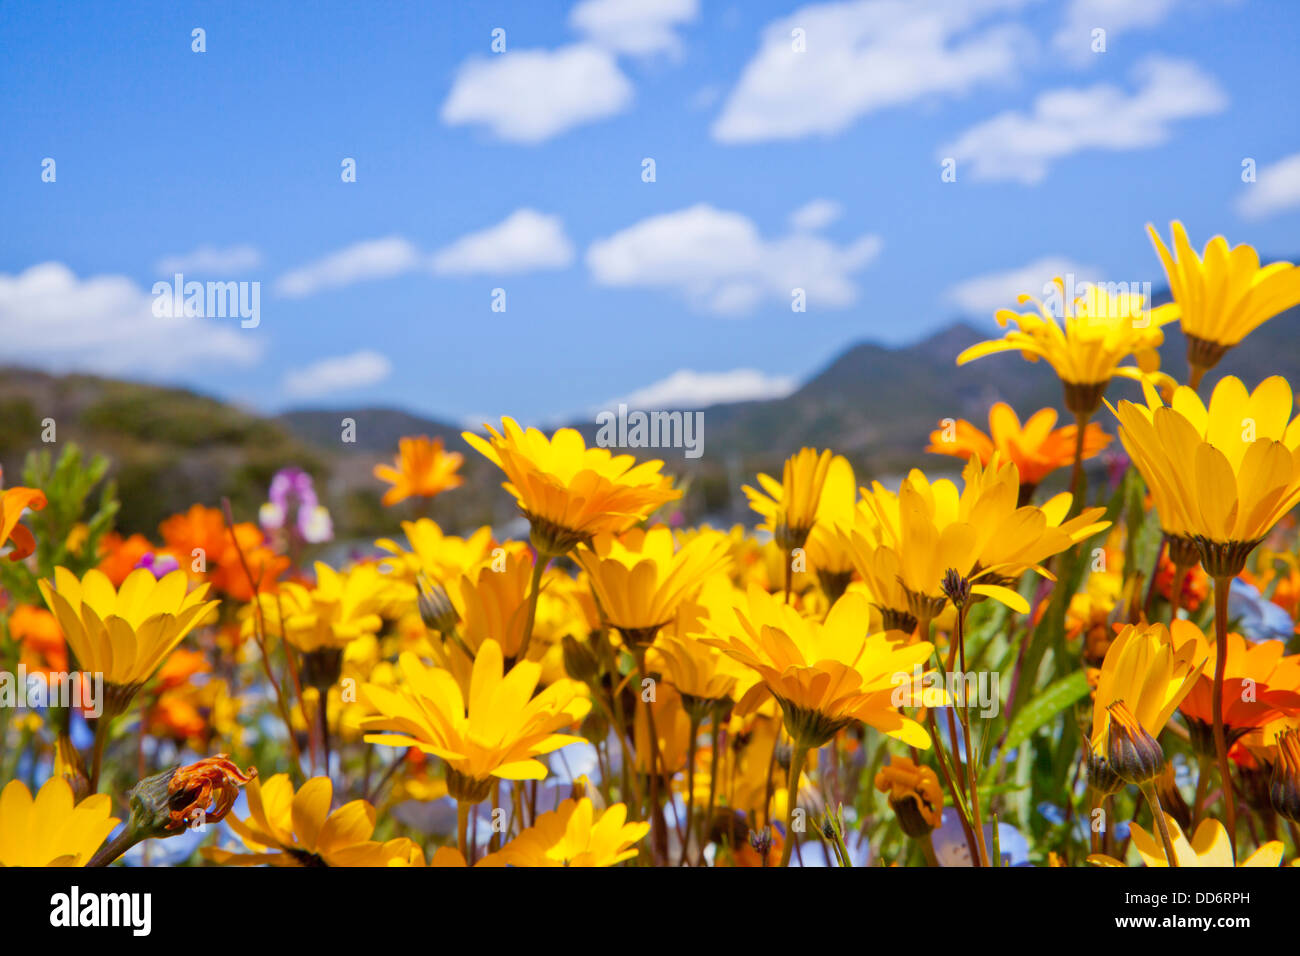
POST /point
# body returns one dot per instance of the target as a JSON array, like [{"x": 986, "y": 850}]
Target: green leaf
[{"x": 1054, "y": 699}]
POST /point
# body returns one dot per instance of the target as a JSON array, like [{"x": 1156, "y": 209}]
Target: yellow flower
[
  {"x": 570, "y": 492},
  {"x": 789, "y": 508},
  {"x": 124, "y": 634},
  {"x": 640, "y": 579},
  {"x": 492, "y": 603},
  {"x": 1226, "y": 473},
  {"x": 288, "y": 829},
  {"x": 871, "y": 544},
  {"x": 1101, "y": 330},
  {"x": 827, "y": 555},
  {"x": 694, "y": 668},
  {"x": 827, "y": 674},
  {"x": 1223, "y": 295},
  {"x": 573, "y": 834},
  {"x": 1209, "y": 846},
  {"x": 51, "y": 830},
  {"x": 1150, "y": 670},
  {"x": 423, "y": 470},
  {"x": 443, "y": 557},
  {"x": 981, "y": 532},
  {"x": 338, "y": 610},
  {"x": 498, "y": 734}
]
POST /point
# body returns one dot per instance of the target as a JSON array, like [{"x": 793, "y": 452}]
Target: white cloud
[
  {"x": 864, "y": 56},
  {"x": 687, "y": 389},
  {"x": 528, "y": 96},
  {"x": 340, "y": 374},
  {"x": 721, "y": 264},
  {"x": 1074, "y": 38},
  {"x": 105, "y": 324},
  {"x": 371, "y": 259},
  {"x": 209, "y": 260},
  {"x": 637, "y": 27},
  {"x": 815, "y": 215},
  {"x": 525, "y": 241},
  {"x": 1276, "y": 188},
  {"x": 1019, "y": 146},
  {"x": 984, "y": 295}
]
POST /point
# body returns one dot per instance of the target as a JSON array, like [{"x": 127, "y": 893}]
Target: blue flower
[{"x": 1257, "y": 618}]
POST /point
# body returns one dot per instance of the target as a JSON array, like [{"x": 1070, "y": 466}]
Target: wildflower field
[{"x": 975, "y": 672}]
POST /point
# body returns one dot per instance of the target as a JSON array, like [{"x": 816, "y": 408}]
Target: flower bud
[
  {"x": 1133, "y": 754},
  {"x": 1284, "y": 791},
  {"x": 956, "y": 587},
  {"x": 436, "y": 609},
  {"x": 580, "y": 660}
]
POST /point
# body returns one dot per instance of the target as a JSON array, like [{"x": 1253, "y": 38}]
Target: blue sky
[{"x": 775, "y": 169}]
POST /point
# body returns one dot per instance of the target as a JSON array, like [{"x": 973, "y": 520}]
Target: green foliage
[{"x": 68, "y": 485}]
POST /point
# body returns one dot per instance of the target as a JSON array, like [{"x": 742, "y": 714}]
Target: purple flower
[
  {"x": 159, "y": 565},
  {"x": 293, "y": 506}
]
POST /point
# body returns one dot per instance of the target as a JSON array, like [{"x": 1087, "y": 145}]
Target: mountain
[
  {"x": 169, "y": 447},
  {"x": 877, "y": 405}
]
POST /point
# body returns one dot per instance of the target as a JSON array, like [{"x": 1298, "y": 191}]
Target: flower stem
[
  {"x": 1221, "y": 586},
  {"x": 1153, "y": 800},
  {"x": 797, "y": 758},
  {"x": 690, "y": 788},
  {"x": 1078, "y": 481},
  {"x": 713, "y": 785},
  {"x": 97, "y": 753},
  {"x": 462, "y": 828},
  {"x": 972, "y": 785},
  {"x": 115, "y": 847},
  {"x": 539, "y": 566}
]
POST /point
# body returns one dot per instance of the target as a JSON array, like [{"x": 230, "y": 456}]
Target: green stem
[
  {"x": 690, "y": 788},
  {"x": 713, "y": 786},
  {"x": 462, "y": 828},
  {"x": 797, "y": 758},
  {"x": 535, "y": 587},
  {"x": 114, "y": 848},
  {"x": 97, "y": 752},
  {"x": 1153, "y": 800}
]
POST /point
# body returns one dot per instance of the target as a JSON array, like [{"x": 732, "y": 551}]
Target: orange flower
[
  {"x": 198, "y": 530},
  {"x": 423, "y": 470},
  {"x": 1036, "y": 448},
  {"x": 1196, "y": 586},
  {"x": 201, "y": 533},
  {"x": 1260, "y": 685},
  {"x": 119, "y": 556},
  {"x": 12, "y": 503},
  {"x": 180, "y": 666},
  {"x": 175, "y": 717},
  {"x": 265, "y": 565},
  {"x": 43, "y": 649}
]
